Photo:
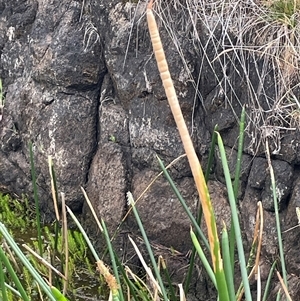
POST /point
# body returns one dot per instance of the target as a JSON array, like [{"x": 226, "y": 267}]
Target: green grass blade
[
  {"x": 183, "y": 203},
  {"x": 211, "y": 152},
  {"x": 132, "y": 287},
  {"x": 235, "y": 220},
  {"x": 278, "y": 295},
  {"x": 236, "y": 185},
  {"x": 36, "y": 200},
  {"x": 203, "y": 259},
  {"x": 25, "y": 262},
  {"x": 167, "y": 275},
  {"x": 189, "y": 274},
  {"x": 232, "y": 247},
  {"x": 239, "y": 155},
  {"x": 215, "y": 252},
  {"x": 2, "y": 281},
  {"x": 90, "y": 245},
  {"x": 147, "y": 244},
  {"x": 58, "y": 295},
  {"x": 268, "y": 283},
  {"x": 227, "y": 264},
  {"x": 13, "y": 275},
  {"x": 113, "y": 259},
  {"x": 13, "y": 290},
  {"x": 277, "y": 218}
]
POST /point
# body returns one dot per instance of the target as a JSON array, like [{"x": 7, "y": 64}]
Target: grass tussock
[{"x": 251, "y": 46}]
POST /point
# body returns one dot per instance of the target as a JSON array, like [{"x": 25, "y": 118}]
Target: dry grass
[{"x": 257, "y": 41}]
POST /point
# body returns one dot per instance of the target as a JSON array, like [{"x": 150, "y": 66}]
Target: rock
[
  {"x": 257, "y": 176},
  {"x": 111, "y": 161},
  {"x": 283, "y": 173},
  {"x": 162, "y": 213},
  {"x": 260, "y": 179},
  {"x": 291, "y": 234},
  {"x": 248, "y": 210}
]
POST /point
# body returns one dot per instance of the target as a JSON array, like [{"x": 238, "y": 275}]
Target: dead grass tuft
[{"x": 254, "y": 43}]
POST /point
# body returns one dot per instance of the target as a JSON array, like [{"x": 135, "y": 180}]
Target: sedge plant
[
  {"x": 222, "y": 277},
  {"x": 195, "y": 166}
]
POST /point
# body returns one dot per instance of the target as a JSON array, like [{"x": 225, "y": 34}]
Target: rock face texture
[{"x": 81, "y": 84}]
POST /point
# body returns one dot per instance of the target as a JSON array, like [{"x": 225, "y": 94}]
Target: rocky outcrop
[{"x": 81, "y": 83}]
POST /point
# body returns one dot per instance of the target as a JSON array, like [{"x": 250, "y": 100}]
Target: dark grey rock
[
  {"x": 258, "y": 173},
  {"x": 283, "y": 173}
]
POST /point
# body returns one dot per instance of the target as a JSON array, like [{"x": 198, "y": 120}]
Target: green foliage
[
  {"x": 14, "y": 213},
  {"x": 284, "y": 11},
  {"x": 123, "y": 281}
]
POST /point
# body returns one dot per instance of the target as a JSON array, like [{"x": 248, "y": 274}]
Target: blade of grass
[
  {"x": 236, "y": 185},
  {"x": 147, "y": 244},
  {"x": 183, "y": 203},
  {"x": 115, "y": 290},
  {"x": 92, "y": 209},
  {"x": 103, "y": 270},
  {"x": 53, "y": 187},
  {"x": 25, "y": 262},
  {"x": 278, "y": 295},
  {"x": 235, "y": 220},
  {"x": 36, "y": 200},
  {"x": 57, "y": 294},
  {"x": 254, "y": 256},
  {"x": 181, "y": 293},
  {"x": 211, "y": 154},
  {"x": 278, "y": 227},
  {"x": 154, "y": 284},
  {"x": 260, "y": 217},
  {"x": 13, "y": 290},
  {"x": 203, "y": 259},
  {"x": 268, "y": 283},
  {"x": 141, "y": 288},
  {"x": 285, "y": 289},
  {"x": 90, "y": 245},
  {"x": 166, "y": 272},
  {"x": 65, "y": 242},
  {"x": 258, "y": 286},
  {"x": 7, "y": 250},
  {"x": 2, "y": 283},
  {"x": 55, "y": 198},
  {"x": 200, "y": 212},
  {"x": 132, "y": 287},
  {"x": 43, "y": 261},
  {"x": 239, "y": 154},
  {"x": 227, "y": 264}
]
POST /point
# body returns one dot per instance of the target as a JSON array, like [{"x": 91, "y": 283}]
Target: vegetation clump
[
  {"x": 55, "y": 263},
  {"x": 16, "y": 213},
  {"x": 284, "y": 11}
]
